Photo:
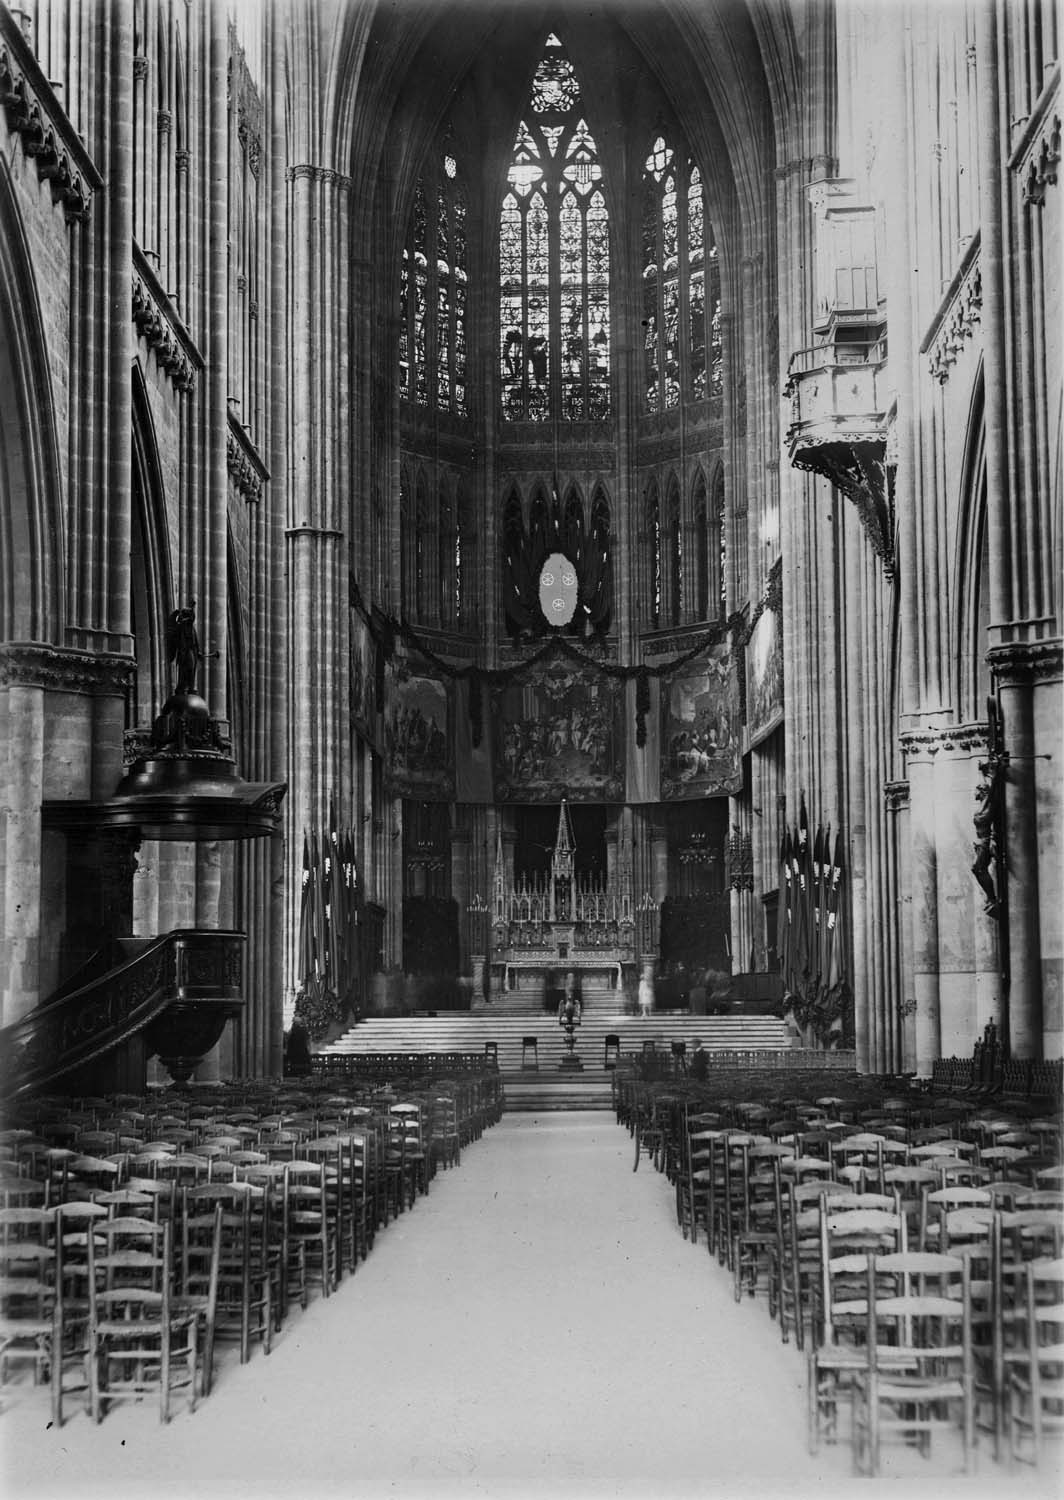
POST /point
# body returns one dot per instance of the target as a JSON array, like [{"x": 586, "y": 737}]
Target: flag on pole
[
  {"x": 784, "y": 915},
  {"x": 802, "y": 866},
  {"x": 835, "y": 968}
]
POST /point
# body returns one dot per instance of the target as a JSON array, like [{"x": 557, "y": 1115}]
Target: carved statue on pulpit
[{"x": 183, "y": 647}]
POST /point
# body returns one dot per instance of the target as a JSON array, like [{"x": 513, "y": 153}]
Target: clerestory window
[
  {"x": 682, "y": 353},
  {"x": 434, "y": 287},
  {"x": 554, "y": 258}
]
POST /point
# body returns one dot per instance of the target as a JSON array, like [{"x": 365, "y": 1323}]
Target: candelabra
[
  {"x": 478, "y": 910},
  {"x": 647, "y": 913}
]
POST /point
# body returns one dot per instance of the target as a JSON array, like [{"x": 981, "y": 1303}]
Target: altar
[{"x": 557, "y": 933}]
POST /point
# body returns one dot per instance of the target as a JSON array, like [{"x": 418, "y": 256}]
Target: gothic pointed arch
[
  {"x": 597, "y": 574},
  {"x": 421, "y": 559},
  {"x": 573, "y": 530},
  {"x": 447, "y": 576},
  {"x": 31, "y": 528},
  {"x": 701, "y": 559},
  {"x": 406, "y": 546},
  {"x": 150, "y": 572},
  {"x": 971, "y": 566},
  {"x": 652, "y": 558},
  {"x": 674, "y": 576},
  {"x": 718, "y": 524}
]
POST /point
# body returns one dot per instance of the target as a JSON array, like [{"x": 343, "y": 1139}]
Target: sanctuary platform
[{"x": 533, "y": 1076}]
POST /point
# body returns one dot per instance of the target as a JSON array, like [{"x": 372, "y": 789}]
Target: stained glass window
[
  {"x": 681, "y": 284},
  {"x": 433, "y": 290},
  {"x": 653, "y": 554},
  {"x": 554, "y": 258}
]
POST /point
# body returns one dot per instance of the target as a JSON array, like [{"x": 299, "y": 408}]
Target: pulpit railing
[{"x": 186, "y": 968}]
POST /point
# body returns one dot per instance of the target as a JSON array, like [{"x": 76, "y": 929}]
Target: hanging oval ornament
[{"x": 557, "y": 590}]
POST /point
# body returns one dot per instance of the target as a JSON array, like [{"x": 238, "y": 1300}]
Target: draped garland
[{"x": 386, "y": 631}]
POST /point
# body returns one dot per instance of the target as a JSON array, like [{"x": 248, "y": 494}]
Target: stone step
[{"x": 468, "y": 1032}]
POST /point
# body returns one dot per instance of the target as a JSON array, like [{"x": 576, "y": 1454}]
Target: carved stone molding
[
  {"x": 54, "y": 669},
  {"x": 158, "y": 323},
  {"x": 896, "y": 795},
  {"x": 245, "y": 466},
  {"x": 1020, "y": 662},
  {"x": 1036, "y": 156},
  {"x": 673, "y": 641},
  {"x": 317, "y": 174},
  {"x": 958, "y": 317},
  {"x": 965, "y": 738},
  {"x": 36, "y": 116}
]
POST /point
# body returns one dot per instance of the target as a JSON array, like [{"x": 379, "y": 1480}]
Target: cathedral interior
[
  {"x": 530, "y": 642},
  {"x": 506, "y": 497}
]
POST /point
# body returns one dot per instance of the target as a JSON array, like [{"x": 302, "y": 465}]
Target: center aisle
[{"x": 536, "y": 1326}]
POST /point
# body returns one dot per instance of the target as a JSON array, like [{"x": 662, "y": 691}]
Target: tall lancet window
[
  {"x": 554, "y": 258},
  {"x": 434, "y": 289},
  {"x": 681, "y": 284}
]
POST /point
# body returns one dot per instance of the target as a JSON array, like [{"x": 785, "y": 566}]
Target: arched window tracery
[
  {"x": 554, "y": 258},
  {"x": 681, "y": 283},
  {"x": 433, "y": 290}
]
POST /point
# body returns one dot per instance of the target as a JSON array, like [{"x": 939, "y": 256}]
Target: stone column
[
  {"x": 923, "y": 861},
  {"x": 319, "y": 437},
  {"x": 962, "y": 988},
  {"x": 22, "y": 706}
]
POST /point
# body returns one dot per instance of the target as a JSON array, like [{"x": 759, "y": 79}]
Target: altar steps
[
  {"x": 525, "y": 1092},
  {"x": 466, "y": 1031},
  {"x": 602, "y": 1000}
]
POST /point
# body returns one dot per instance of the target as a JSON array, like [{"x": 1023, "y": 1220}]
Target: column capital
[
  {"x": 28, "y": 664},
  {"x": 1014, "y": 663}
]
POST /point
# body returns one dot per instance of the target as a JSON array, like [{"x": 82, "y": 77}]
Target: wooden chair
[
  {"x": 139, "y": 1344},
  {"x": 918, "y": 1375},
  {"x": 306, "y": 1254},
  {"x": 1035, "y": 1368},
  {"x": 847, "y": 1237}
]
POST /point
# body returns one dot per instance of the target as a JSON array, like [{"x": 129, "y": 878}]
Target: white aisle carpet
[{"x": 536, "y": 1326}]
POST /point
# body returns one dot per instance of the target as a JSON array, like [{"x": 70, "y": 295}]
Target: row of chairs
[
  {"x": 775, "y": 1186},
  {"x": 118, "y": 1273}
]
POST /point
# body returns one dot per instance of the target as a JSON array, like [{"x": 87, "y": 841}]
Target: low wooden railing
[
  {"x": 400, "y": 1064},
  {"x": 184, "y": 967}
]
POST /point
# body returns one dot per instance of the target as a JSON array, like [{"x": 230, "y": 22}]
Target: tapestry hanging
[
  {"x": 701, "y": 728},
  {"x": 764, "y": 677},
  {"x": 419, "y": 741},
  {"x": 364, "y": 708},
  {"x": 559, "y": 733}
]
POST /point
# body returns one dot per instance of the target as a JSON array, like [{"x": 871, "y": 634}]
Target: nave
[{"x": 536, "y": 1325}]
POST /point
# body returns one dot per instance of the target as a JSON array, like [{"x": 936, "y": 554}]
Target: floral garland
[{"x": 385, "y": 631}]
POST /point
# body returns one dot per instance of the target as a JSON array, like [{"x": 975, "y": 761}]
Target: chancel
[{"x": 530, "y": 646}]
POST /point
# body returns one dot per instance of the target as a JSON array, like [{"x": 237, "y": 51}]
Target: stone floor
[{"x": 537, "y": 1326}]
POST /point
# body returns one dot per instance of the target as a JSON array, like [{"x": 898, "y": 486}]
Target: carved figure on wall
[{"x": 986, "y": 819}]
